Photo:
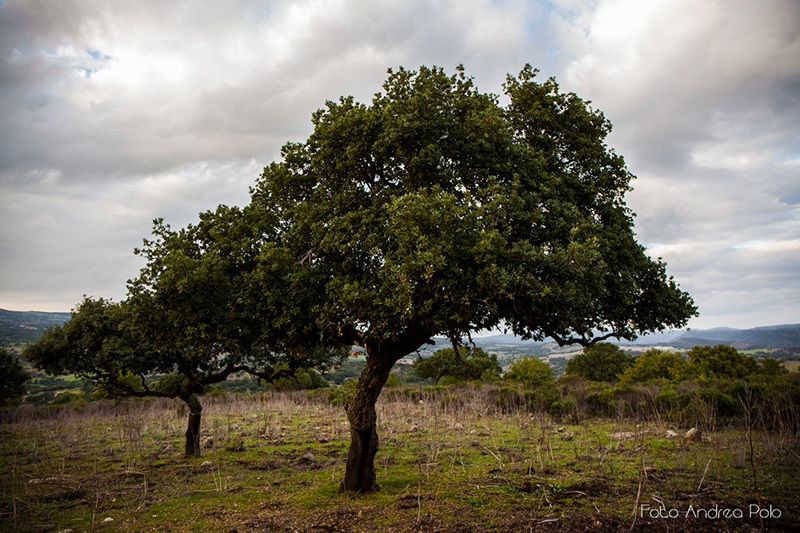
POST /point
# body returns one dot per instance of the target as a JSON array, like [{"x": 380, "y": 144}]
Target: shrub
[
  {"x": 12, "y": 378},
  {"x": 393, "y": 381},
  {"x": 302, "y": 379},
  {"x": 600, "y": 362},
  {"x": 444, "y": 366},
  {"x": 341, "y": 394},
  {"x": 506, "y": 399},
  {"x": 563, "y": 408},
  {"x": 655, "y": 365},
  {"x": 69, "y": 397},
  {"x": 719, "y": 361},
  {"x": 530, "y": 371}
]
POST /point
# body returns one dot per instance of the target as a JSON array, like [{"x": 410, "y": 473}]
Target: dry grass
[{"x": 449, "y": 461}]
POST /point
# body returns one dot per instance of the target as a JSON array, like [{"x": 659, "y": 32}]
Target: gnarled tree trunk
[
  {"x": 360, "y": 471},
  {"x": 193, "y": 428}
]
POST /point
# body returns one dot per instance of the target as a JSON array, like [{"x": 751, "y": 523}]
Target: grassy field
[
  {"x": 449, "y": 461},
  {"x": 792, "y": 366}
]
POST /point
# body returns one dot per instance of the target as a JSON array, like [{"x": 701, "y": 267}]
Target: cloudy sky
[{"x": 114, "y": 113}]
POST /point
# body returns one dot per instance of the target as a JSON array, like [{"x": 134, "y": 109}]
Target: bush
[
  {"x": 341, "y": 394},
  {"x": 393, "y": 381},
  {"x": 12, "y": 378},
  {"x": 350, "y": 369},
  {"x": 509, "y": 399},
  {"x": 655, "y": 365},
  {"x": 667, "y": 403},
  {"x": 444, "y": 366},
  {"x": 506, "y": 399},
  {"x": 41, "y": 398},
  {"x": 69, "y": 397},
  {"x": 601, "y": 362},
  {"x": 719, "y": 362},
  {"x": 530, "y": 371},
  {"x": 302, "y": 379},
  {"x": 563, "y": 408}
]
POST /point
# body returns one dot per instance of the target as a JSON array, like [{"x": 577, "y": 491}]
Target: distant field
[
  {"x": 792, "y": 366},
  {"x": 449, "y": 461}
]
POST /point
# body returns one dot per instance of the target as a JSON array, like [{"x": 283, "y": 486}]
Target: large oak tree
[{"x": 435, "y": 210}]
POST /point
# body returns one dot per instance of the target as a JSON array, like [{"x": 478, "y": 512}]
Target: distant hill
[
  {"x": 784, "y": 337},
  {"x": 26, "y": 326}
]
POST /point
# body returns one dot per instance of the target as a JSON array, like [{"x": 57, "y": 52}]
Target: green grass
[{"x": 441, "y": 465}]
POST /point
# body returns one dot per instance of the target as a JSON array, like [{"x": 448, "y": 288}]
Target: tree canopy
[
  {"x": 720, "y": 361},
  {"x": 529, "y": 371},
  {"x": 656, "y": 364},
  {"x": 435, "y": 210},
  {"x": 12, "y": 378},
  {"x": 602, "y": 361},
  {"x": 474, "y": 364}
]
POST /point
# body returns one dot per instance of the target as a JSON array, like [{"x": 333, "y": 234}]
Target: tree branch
[
  {"x": 583, "y": 341},
  {"x": 455, "y": 343}
]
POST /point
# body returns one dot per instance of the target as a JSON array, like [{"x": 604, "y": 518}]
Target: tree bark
[
  {"x": 193, "y": 428},
  {"x": 360, "y": 471}
]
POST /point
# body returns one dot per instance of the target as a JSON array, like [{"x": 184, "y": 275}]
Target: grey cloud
[
  {"x": 706, "y": 111},
  {"x": 62, "y": 240}
]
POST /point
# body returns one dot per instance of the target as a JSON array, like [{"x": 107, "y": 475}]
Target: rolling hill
[
  {"x": 785, "y": 337},
  {"x": 18, "y": 327},
  {"x": 782, "y": 337}
]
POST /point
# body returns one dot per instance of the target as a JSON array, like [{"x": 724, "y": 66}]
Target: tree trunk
[
  {"x": 193, "y": 428},
  {"x": 360, "y": 471}
]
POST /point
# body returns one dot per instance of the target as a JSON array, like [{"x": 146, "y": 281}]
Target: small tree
[
  {"x": 204, "y": 303},
  {"x": 772, "y": 367},
  {"x": 655, "y": 364},
  {"x": 475, "y": 364},
  {"x": 720, "y": 361},
  {"x": 600, "y": 362},
  {"x": 529, "y": 371},
  {"x": 191, "y": 320},
  {"x": 12, "y": 378}
]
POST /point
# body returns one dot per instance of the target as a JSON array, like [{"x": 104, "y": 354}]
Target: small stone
[
  {"x": 693, "y": 434},
  {"x": 458, "y": 426},
  {"x": 671, "y": 434},
  {"x": 308, "y": 457},
  {"x": 206, "y": 464},
  {"x": 108, "y": 520},
  {"x": 208, "y": 443}
]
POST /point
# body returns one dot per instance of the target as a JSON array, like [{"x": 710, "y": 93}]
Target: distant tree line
[{"x": 607, "y": 362}]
